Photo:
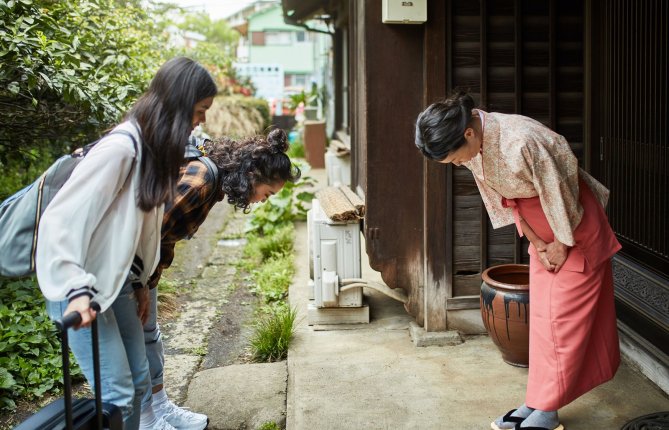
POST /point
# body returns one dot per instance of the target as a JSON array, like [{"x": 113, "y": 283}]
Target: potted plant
[{"x": 308, "y": 100}]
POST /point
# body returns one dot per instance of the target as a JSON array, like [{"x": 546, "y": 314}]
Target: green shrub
[
  {"x": 273, "y": 278},
  {"x": 296, "y": 149},
  {"x": 269, "y": 250},
  {"x": 273, "y": 334},
  {"x": 284, "y": 207},
  {"x": 269, "y": 425},
  {"x": 262, "y": 248},
  {"x": 70, "y": 68},
  {"x": 30, "y": 357},
  {"x": 17, "y": 173}
]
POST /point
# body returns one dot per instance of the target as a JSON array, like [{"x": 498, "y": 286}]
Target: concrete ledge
[
  {"x": 241, "y": 396},
  {"x": 643, "y": 355},
  {"x": 466, "y": 321},
  {"x": 329, "y": 316},
  {"x": 421, "y": 337}
]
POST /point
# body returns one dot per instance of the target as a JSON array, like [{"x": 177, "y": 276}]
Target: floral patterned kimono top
[{"x": 522, "y": 158}]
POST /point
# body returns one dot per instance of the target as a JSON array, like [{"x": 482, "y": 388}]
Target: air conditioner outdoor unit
[
  {"x": 334, "y": 254},
  {"x": 338, "y": 168}
]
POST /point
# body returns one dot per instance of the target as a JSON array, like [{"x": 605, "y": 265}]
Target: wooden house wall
[
  {"x": 386, "y": 85},
  {"x": 510, "y": 55},
  {"x": 426, "y": 224},
  {"x": 630, "y": 97},
  {"x": 426, "y": 228}
]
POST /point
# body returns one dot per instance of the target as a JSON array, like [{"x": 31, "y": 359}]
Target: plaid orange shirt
[{"x": 186, "y": 212}]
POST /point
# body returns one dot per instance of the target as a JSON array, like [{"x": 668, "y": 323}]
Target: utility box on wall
[{"x": 404, "y": 12}]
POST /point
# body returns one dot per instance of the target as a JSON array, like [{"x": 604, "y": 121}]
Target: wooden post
[{"x": 436, "y": 227}]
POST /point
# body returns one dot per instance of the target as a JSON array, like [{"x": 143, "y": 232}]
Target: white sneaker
[
  {"x": 160, "y": 424},
  {"x": 181, "y": 418}
]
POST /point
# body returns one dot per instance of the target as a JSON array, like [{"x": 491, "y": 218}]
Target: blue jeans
[
  {"x": 153, "y": 341},
  {"x": 124, "y": 370}
]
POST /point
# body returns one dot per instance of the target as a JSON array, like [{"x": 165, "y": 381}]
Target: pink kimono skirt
[{"x": 573, "y": 334}]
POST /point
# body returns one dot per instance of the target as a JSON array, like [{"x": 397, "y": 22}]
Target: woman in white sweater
[{"x": 109, "y": 211}]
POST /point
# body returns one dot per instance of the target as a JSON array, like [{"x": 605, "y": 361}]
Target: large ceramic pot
[{"x": 505, "y": 309}]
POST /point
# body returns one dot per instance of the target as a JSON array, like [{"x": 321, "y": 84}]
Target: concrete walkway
[{"x": 373, "y": 377}]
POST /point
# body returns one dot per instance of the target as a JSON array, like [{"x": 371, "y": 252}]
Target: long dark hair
[
  {"x": 250, "y": 161},
  {"x": 164, "y": 114},
  {"x": 441, "y": 127}
]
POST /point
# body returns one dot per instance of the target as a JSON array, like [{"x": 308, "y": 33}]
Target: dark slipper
[
  {"x": 508, "y": 419},
  {"x": 559, "y": 427}
]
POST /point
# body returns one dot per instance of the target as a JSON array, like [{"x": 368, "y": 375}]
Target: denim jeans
[
  {"x": 124, "y": 370},
  {"x": 153, "y": 341}
]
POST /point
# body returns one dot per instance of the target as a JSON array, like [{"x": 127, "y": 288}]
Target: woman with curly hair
[{"x": 251, "y": 170}]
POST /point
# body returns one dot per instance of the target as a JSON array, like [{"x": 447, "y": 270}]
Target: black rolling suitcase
[{"x": 80, "y": 414}]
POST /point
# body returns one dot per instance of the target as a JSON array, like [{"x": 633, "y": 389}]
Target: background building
[{"x": 269, "y": 47}]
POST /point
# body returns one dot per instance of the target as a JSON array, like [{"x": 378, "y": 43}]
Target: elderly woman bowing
[{"x": 527, "y": 175}]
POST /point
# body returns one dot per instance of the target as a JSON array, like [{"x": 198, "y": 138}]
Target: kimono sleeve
[{"x": 555, "y": 178}]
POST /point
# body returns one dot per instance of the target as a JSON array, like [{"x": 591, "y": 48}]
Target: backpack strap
[
  {"x": 213, "y": 169},
  {"x": 193, "y": 152},
  {"x": 130, "y": 135},
  {"x": 193, "y": 148},
  {"x": 83, "y": 151}
]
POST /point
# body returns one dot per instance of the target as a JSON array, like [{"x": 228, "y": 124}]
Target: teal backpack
[{"x": 21, "y": 212}]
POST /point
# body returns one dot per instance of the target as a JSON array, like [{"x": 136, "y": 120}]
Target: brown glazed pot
[{"x": 505, "y": 309}]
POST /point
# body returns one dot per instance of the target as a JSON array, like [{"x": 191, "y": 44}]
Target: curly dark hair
[{"x": 251, "y": 161}]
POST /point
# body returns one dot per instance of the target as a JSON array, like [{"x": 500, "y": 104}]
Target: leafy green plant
[
  {"x": 18, "y": 173},
  {"x": 30, "y": 357},
  {"x": 70, "y": 69},
  {"x": 83, "y": 60},
  {"x": 310, "y": 98},
  {"x": 273, "y": 333},
  {"x": 269, "y": 425},
  {"x": 271, "y": 254},
  {"x": 296, "y": 149},
  {"x": 198, "y": 350},
  {"x": 302, "y": 98},
  {"x": 286, "y": 206},
  {"x": 273, "y": 278},
  {"x": 216, "y": 31},
  {"x": 262, "y": 248}
]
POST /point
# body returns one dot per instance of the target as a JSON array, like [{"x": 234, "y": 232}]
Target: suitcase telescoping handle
[{"x": 68, "y": 321}]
